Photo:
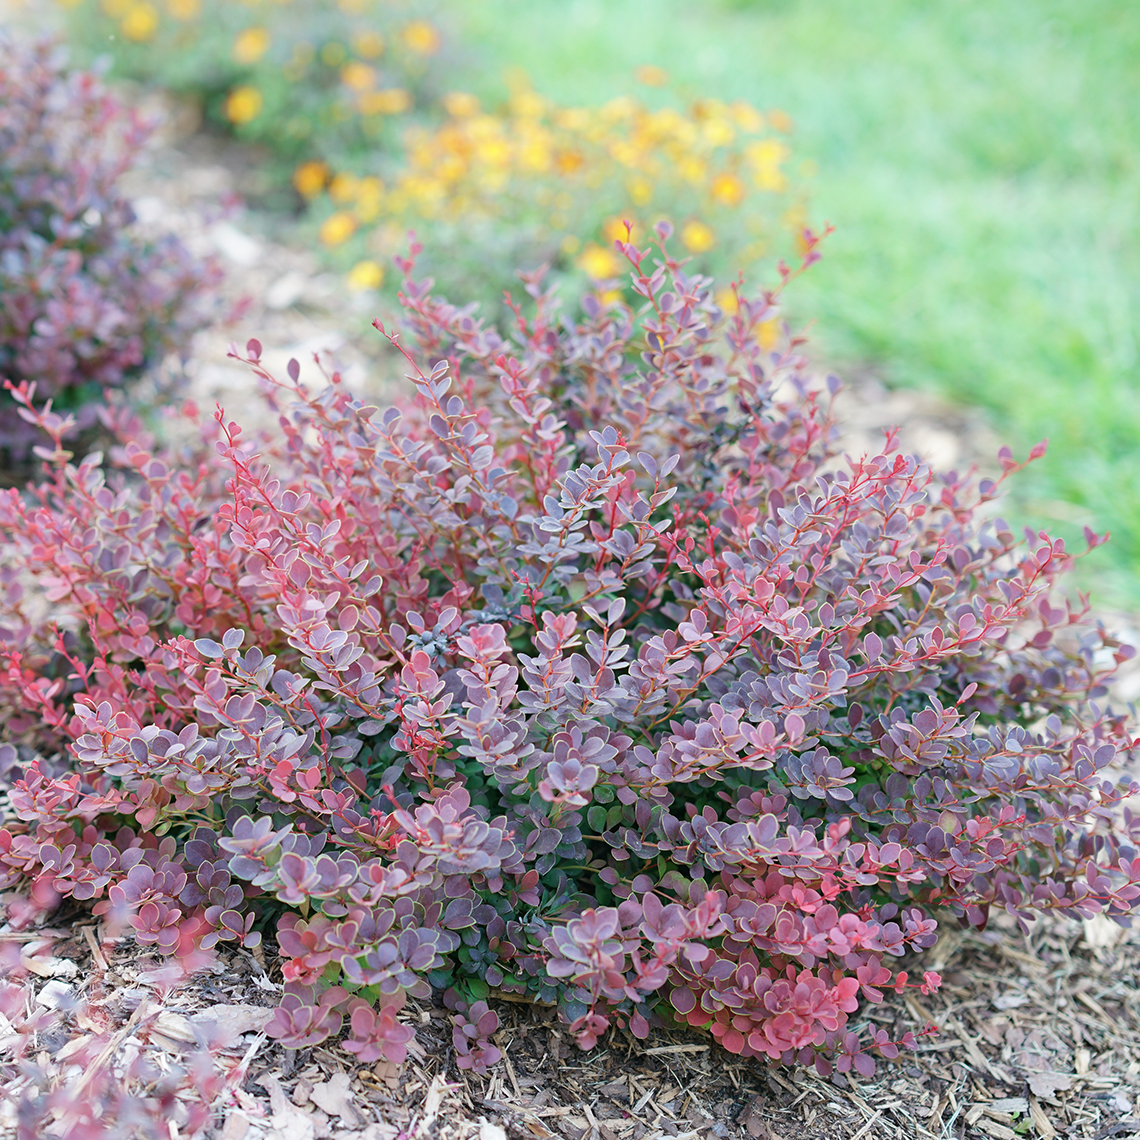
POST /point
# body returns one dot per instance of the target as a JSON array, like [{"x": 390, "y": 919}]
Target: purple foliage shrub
[
  {"x": 85, "y": 302},
  {"x": 590, "y": 672}
]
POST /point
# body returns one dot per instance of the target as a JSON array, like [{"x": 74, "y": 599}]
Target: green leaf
[{"x": 477, "y": 989}]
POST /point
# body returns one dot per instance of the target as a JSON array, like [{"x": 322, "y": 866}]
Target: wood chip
[
  {"x": 645, "y": 1099},
  {"x": 55, "y": 994},
  {"x": 236, "y": 1125},
  {"x": 1041, "y": 1122},
  {"x": 997, "y": 1131},
  {"x": 977, "y": 1058},
  {"x": 1009, "y": 1104},
  {"x": 234, "y": 1020},
  {"x": 432, "y": 1102},
  {"x": 334, "y": 1096},
  {"x": 866, "y": 1127},
  {"x": 50, "y": 967},
  {"x": 1046, "y": 1084},
  {"x": 97, "y": 951}
]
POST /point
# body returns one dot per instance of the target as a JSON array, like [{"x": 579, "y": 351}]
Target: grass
[{"x": 981, "y": 162}]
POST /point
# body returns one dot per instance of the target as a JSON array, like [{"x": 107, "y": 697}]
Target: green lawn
[{"x": 981, "y": 162}]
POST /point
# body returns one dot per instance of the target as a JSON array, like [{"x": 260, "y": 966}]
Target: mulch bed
[{"x": 1037, "y": 1037}]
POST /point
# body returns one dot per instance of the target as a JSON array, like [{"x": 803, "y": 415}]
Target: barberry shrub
[
  {"x": 86, "y": 302},
  {"x": 589, "y": 672}
]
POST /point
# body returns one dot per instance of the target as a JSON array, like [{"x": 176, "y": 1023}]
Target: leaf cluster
[{"x": 87, "y": 301}]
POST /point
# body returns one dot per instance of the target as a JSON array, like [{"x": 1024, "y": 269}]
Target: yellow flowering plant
[
  {"x": 522, "y": 184},
  {"x": 312, "y": 79},
  {"x": 346, "y": 94}
]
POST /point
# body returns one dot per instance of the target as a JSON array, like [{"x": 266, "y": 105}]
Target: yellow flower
[
  {"x": 337, "y": 228},
  {"x": 640, "y": 190},
  {"x": 420, "y": 36},
  {"x": 770, "y": 178},
  {"x": 718, "y": 131},
  {"x": 727, "y": 189},
  {"x": 116, "y": 8},
  {"x": 365, "y": 276},
  {"x": 781, "y": 121},
  {"x": 495, "y": 152},
  {"x": 368, "y": 44},
  {"x": 526, "y": 104},
  {"x": 184, "y": 9},
  {"x": 369, "y": 199},
  {"x": 393, "y": 101},
  {"x": 767, "y": 152},
  {"x": 343, "y": 188},
  {"x": 599, "y": 263},
  {"x": 534, "y": 153},
  {"x": 747, "y": 118},
  {"x": 619, "y": 109},
  {"x": 460, "y": 104},
  {"x": 251, "y": 45},
  {"x": 726, "y": 299},
  {"x": 625, "y": 153},
  {"x": 614, "y": 230},
  {"x": 692, "y": 169},
  {"x": 572, "y": 118},
  {"x": 370, "y": 187},
  {"x": 141, "y": 22},
  {"x": 669, "y": 123},
  {"x": 569, "y": 161},
  {"x": 651, "y": 76},
  {"x": 768, "y": 334},
  {"x": 309, "y": 178},
  {"x": 243, "y": 104},
  {"x": 358, "y": 76},
  {"x": 333, "y": 54},
  {"x": 766, "y": 157},
  {"x": 570, "y": 244},
  {"x": 697, "y": 237}
]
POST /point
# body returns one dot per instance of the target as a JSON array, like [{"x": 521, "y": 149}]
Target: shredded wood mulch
[{"x": 1037, "y": 1037}]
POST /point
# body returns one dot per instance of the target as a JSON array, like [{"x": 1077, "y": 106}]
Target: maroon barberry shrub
[
  {"x": 590, "y": 672},
  {"x": 85, "y": 301}
]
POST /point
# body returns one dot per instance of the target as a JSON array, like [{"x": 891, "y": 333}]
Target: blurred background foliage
[{"x": 980, "y": 161}]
